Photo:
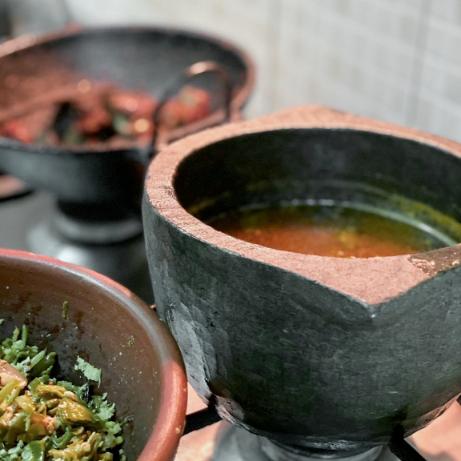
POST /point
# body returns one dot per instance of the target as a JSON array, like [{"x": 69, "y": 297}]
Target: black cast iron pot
[
  {"x": 97, "y": 222},
  {"x": 140, "y": 58}
]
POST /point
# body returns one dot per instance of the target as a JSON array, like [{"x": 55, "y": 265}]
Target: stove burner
[
  {"x": 115, "y": 249},
  {"x": 236, "y": 444},
  {"x": 11, "y": 187}
]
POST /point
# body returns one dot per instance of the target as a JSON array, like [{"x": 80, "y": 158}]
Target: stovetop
[
  {"x": 440, "y": 441},
  {"x": 17, "y": 216}
]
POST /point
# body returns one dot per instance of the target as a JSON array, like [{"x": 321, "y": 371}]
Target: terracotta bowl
[
  {"x": 142, "y": 371},
  {"x": 317, "y": 352}
]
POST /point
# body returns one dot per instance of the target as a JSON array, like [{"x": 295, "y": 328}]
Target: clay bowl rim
[
  {"x": 163, "y": 441},
  {"x": 345, "y": 275},
  {"x": 239, "y": 100}
]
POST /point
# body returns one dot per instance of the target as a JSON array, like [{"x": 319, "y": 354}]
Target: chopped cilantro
[
  {"x": 89, "y": 371},
  {"x": 49, "y": 419},
  {"x": 65, "y": 310}
]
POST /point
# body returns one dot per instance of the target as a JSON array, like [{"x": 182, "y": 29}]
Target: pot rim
[
  {"x": 164, "y": 438},
  {"x": 345, "y": 275},
  {"x": 239, "y": 99}
]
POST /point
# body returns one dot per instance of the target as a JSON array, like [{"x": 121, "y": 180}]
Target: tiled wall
[{"x": 398, "y": 60}]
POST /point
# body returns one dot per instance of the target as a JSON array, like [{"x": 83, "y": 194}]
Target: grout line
[
  {"x": 67, "y": 11},
  {"x": 415, "y": 83},
  {"x": 274, "y": 53}
]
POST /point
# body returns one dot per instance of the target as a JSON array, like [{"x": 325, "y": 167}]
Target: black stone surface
[{"x": 284, "y": 355}]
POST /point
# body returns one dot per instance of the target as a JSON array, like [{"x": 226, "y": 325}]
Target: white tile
[
  {"x": 444, "y": 40},
  {"x": 447, "y": 10},
  {"x": 439, "y": 117},
  {"x": 439, "y": 99}
]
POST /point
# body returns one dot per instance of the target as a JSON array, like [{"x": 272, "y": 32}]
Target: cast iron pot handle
[{"x": 188, "y": 74}]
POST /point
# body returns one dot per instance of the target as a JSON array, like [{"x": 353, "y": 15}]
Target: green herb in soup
[{"x": 43, "y": 418}]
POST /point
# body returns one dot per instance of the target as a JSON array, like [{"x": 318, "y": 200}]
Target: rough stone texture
[{"x": 320, "y": 352}]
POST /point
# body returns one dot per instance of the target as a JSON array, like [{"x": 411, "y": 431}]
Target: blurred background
[{"x": 394, "y": 60}]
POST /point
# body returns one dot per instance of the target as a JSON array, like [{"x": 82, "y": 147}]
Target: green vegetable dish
[{"x": 43, "y": 418}]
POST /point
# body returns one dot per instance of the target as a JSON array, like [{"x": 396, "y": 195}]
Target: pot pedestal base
[
  {"x": 123, "y": 261},
  {"x": 235, "y": 444},
  {"x": 440, "y": 440}
]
